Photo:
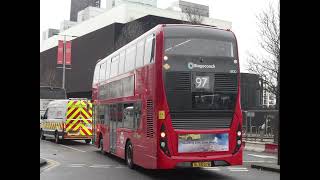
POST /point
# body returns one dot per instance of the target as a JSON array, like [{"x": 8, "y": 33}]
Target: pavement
[
  {"x": 267, "y": 167},
  {"x": 266, "y": 147},
  {"x": 77, "y": 160}
]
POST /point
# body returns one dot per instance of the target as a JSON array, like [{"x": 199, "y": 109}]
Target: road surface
[{"x": 80, "y": 161}]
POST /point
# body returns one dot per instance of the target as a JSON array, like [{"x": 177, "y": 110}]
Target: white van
[{"x": 67, "y": 119}]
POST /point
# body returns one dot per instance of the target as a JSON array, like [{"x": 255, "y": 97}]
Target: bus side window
[
  {"x": 137, "y": 114},
  {"x": 130, "y": 58},
  {"x": 119, "y": 115},
  {"x": 140, "y": 52},
  {"x": 149, "y": 49},
  {"x": 106, "y": 111},
  {"x": 128, "y": 117}
]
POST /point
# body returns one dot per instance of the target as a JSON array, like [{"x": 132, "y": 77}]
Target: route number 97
[{"x": 202, "y": 82}]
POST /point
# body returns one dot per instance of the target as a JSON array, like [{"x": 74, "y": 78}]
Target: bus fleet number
[{"x": 202, "y": 82}]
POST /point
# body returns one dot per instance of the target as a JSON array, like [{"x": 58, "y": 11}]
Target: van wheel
[
  {"x": 88, "y": 141},
  {"x": 56, "y": 138},
  {"x": 129, "y": 155},
  {"x": 42, "y": 135}
]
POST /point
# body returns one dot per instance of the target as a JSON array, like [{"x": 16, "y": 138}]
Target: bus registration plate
[{"x": 201, "y": 164}]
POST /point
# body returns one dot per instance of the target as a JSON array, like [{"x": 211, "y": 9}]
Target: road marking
[
  {"x": 120, "y": 167},
  {"x": 239, "y": 170},
  {"x": 263, "y": 156},
  {"x": 100, "y": 166},
  {"x": 77, "y": 164},
  {"x": 259, "y": 161},
  {"x": 72, "y": 148},
  {"x": 51, "y": 164},
  {"x": 212, "y": 168},
  {"x": 235, "y": 168}
]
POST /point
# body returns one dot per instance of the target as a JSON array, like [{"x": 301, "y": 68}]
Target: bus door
[{"x": 113, "y": 127}]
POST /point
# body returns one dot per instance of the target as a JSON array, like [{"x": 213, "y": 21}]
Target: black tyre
[
  {"x": 42, "y": 135},
  {"x": 56, "y": 138},
  {"x": 88, "y": 141},
  {"x": 129, "y": 155}
]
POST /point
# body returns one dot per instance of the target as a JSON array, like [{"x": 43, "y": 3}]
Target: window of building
[
  {"x": 140, "y": 53},
  {"x": 130, "y": 58}
]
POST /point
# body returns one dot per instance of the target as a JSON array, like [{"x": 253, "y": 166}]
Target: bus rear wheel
[{"x": 129, "y": 155}]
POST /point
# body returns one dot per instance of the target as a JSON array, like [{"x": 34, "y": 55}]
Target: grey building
[
  {"x": 251, "y": 91},
  {"x": 78, "y": 5},
  {"x": 194, "y": 8},
  {"x": 49, "y": 33}
]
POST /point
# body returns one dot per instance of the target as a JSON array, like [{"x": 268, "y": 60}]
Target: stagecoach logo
[{"x": 201, "y": 66}]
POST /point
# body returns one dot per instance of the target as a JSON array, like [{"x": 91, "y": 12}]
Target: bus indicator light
[{"x": 162, "y": 115}]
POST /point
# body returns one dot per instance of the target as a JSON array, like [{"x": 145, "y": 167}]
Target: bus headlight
[
  {"x": 239, "y": 142},
  {"x": 162, "y": 134}
]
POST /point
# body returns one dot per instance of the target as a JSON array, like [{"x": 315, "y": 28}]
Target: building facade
[
  {"x": 251, "y": 91},
  {"x": 96, "y": 38},
  {"x": 78, "y": 5}
]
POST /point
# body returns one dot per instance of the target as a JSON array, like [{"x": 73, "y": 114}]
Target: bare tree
[
  {"x": 193, "y": 16},
  {"x": 129, "y": 32},
  {"x": 267, "y": 64}
]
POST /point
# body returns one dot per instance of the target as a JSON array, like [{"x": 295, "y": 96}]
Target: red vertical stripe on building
[
  {"x": 68, "y": 53},
  {"x": 60, "y": 52}
]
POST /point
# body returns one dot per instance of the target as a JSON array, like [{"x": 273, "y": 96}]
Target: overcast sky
[{"x": 240, "y": 12}]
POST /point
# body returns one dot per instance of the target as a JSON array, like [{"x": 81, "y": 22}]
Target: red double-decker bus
[{"x": 171, "y": 98}]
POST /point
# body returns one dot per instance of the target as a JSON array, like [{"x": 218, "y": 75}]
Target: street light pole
[
  {"x": 64, "y": 62},
  {"x": 64, "y": 58}
]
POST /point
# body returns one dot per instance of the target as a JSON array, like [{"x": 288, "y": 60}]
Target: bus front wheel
[{"x": 129, "y": 155}]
